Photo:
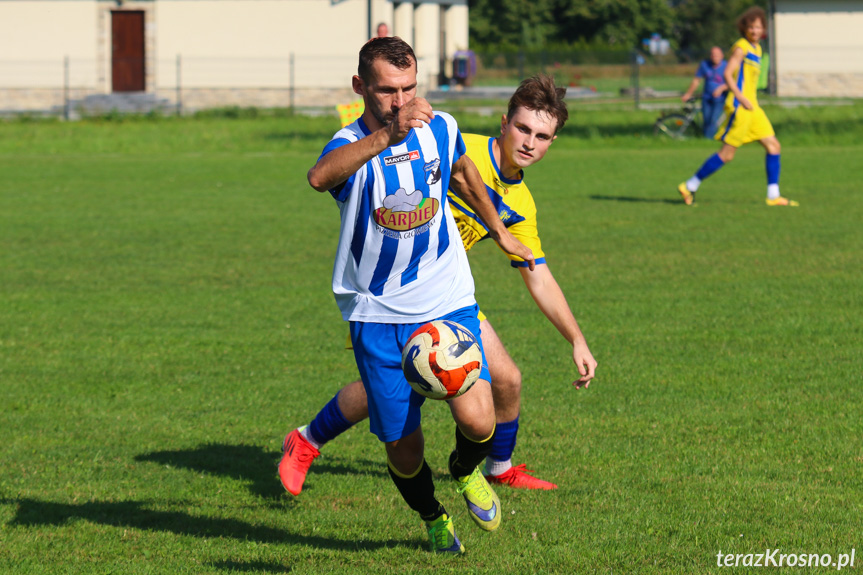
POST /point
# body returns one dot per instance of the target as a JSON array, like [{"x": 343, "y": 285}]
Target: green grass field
[{"x": 166, "y": 317}]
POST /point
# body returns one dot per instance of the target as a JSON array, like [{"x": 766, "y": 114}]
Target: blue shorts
[{"x": 394, "y": 407}]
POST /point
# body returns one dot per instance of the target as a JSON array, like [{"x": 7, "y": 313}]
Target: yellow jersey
[
  {"x": 511, "y": 199},
  {"x": 746, "y": 77}
]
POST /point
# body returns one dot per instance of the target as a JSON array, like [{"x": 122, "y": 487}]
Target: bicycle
[{"x": 677, "y": 124}]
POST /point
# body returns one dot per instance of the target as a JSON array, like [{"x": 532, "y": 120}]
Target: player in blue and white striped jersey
[
  {"x": 400, "y": 262},
  {"x": 392, "y": 263}
]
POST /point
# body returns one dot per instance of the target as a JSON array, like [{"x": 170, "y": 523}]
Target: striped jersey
[
  {"x": 511, "y": 199},
  {"x": 399, "y": 258},
  {"x": 746, "y": 76}
]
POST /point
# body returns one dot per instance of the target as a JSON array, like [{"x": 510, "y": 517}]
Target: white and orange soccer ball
[{"x": 442, "y": 360}]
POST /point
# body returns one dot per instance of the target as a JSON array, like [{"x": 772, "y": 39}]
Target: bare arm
[
  {"x": 467, "y": 183},
  {"x": 337, "y": 166},
  {"x": 691, "y": 89},
  {"x": 734, "y": 64},
  {"x": 551, "y": 301}
]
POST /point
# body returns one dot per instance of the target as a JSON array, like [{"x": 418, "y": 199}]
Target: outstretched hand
[
  {"x": 511, "y": 245},
  {"x": 585, "y": 363}
]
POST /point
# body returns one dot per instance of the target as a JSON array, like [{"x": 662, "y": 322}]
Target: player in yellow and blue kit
[
  {"x": 745, "y": 120},
  {"x": 536, "y": 112},
  {"x": 511, "y": 197}
]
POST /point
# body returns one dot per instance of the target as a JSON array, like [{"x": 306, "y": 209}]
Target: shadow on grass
[
  {"x": 335, "y": 465},
  {"x": 637, "y": 200},
  {"x": 247, "y": 463},
  {"x": 255, "y": 465},
  {"x": 135, "y": 515}
]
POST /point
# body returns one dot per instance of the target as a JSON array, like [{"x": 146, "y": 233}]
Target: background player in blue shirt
[
  {"x": 400, "y": 263},
  {"x": 712, "y": 71}
]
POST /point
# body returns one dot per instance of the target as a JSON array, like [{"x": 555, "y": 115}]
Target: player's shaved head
[
  {"x": 392, "y": 49},
  {"x": 748, "y": 17},
  {"x": 540, "y": 94}
]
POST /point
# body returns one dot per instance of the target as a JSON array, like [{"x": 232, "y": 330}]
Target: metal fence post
[
  {"x": 179, "y": 86},
  {"x": 66, "y": 88},
  {"x": 636, "y": 72},
  {"x": 772, "y": 76},
  {"x": 291, "y": 80}
]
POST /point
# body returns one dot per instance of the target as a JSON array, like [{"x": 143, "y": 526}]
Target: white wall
[
  {"x": 427, "y": 40},
  {"x": 819, "y": 36},
  {"x": 35, "y": 37},
  {"x": 457, "y": 29},
  {"x": 235, "y": 43},
  {"x": 819, "y": 48},
  {"x": 223, "y": 44}
]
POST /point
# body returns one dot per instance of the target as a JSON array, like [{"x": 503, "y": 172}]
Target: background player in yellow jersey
[
  {"x": 536, "y": 112},
  {"x": 745, "y": 121}
]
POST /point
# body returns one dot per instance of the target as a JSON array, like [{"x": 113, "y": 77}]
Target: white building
[
  {"x": 217, "y": 52},
  {"x": 817, "y": 47}
]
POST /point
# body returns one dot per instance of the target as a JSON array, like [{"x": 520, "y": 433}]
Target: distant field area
[
  {"x": 166, "y": 318},
  {"x": 606, "y": 79}
]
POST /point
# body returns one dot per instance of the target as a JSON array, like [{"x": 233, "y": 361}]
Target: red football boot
[
  {"x": 295, "y": 463},
  {"x": 517, "y": 477}
]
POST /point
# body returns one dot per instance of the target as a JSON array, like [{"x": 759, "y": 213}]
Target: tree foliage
[
  {"x": 692, "y": 26},
  {"x": 610, "y": 22},
  {"x": 700, "y": 24},
  {"x": 526, "y": 23}
]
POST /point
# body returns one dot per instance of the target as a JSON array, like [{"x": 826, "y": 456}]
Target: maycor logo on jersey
[
  {"x": 399, "y": 158},
  {"x": 404, "y": 211}
]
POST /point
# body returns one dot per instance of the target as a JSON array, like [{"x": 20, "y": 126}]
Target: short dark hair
[
  {"x": 392, "y": 49},
  {"x": 540, "y": 94},
  {"x": 748, "y": 17}
]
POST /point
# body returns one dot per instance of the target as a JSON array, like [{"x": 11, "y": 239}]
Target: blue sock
[
  {"x": 329, "y": 423},
  {"x": 504, "y": 440},
  {"x": 772, "y": 163},
  {"x": 710, "y": 165}
]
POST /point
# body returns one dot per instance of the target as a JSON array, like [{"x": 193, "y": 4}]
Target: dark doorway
[{"x": 127, "y": 51}]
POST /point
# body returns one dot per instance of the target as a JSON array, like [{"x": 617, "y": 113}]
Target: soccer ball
[{"x": 442, "y": 360}]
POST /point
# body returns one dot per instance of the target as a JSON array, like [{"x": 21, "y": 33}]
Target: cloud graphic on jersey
[{"x": 401, "y": 201}]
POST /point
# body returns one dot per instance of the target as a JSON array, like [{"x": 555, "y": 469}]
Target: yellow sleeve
[
  {"x": 470, "y": 229},
  {"x": 527, "y": 232},
  {"x": 743, "y": 44}
]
